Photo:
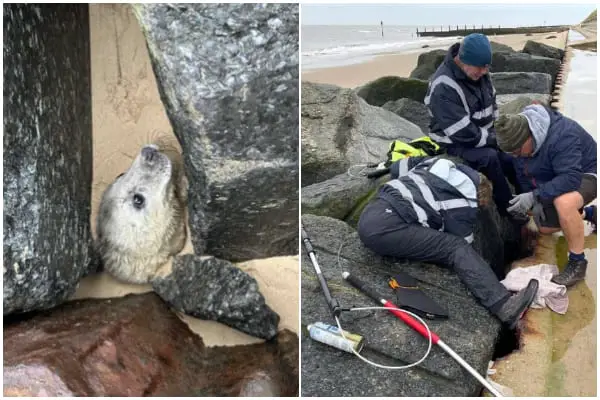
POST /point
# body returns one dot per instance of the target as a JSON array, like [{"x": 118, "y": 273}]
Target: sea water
[{"x": 337, "y": 45}]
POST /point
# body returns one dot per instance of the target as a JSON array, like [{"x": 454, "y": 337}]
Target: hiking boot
[
  {"x": 511, "y": 311},
  {"x": 573, "y": 273}
]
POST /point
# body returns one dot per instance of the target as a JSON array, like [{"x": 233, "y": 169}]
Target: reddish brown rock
[{"x": 135, "y": 346}]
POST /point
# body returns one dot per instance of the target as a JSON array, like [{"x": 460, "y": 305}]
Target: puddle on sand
[{"x": 573, "y": 368}]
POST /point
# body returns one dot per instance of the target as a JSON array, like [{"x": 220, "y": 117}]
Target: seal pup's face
[{"x": 141, "y": 217}]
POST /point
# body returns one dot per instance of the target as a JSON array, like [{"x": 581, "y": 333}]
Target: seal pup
[{"x": 141, "y": 217}]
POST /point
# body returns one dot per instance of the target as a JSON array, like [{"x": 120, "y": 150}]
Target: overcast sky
[{"x": 445, "y": 14}]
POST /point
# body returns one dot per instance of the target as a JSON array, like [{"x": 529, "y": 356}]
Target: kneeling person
[
  {"x": 555, "y": 162},
  {"x": 427, "y": 212}
]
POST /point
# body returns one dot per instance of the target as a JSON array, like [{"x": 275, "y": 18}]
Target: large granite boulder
[
  {"x": 228, "y": 76},
  {"x": 543, "y": 50},
  {"x": 339, "y": 196},
  {"x": 501, "y": 48},
  {"x": 326, "y": 371},
  {"x": 47, "y": 153},
  {"x": 135, "y": 346},
  {"x": 427, "y": 63},
  {"x": 523, "y": 62},
  {"x": 505, "y": 99},
  {"x": 413, "y": 111},
  {"x": 214, "y": 289},
  {"x": 514, "y": 103},
  {"x": 521, "y": 82},
  {"x": 339, "y": 130},
  {"x": 389, "y": 88}
]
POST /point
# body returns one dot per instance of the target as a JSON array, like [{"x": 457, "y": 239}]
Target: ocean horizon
[{"x": 326, "y": 46}]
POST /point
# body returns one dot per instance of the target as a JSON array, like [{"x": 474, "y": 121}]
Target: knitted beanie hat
[
  {"x": 512, "y": 131},
  {"x": 475, "y": 50}
]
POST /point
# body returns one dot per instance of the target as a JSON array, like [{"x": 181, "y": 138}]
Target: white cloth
[{"x": 549, "y": 293}]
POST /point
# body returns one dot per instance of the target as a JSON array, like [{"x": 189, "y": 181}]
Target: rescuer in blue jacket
[
  {"x": 555, "y": 162},
  {"x": 462, "y": 104}
]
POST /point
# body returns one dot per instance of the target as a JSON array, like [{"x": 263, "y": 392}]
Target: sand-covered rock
[{"x": 135, "y": 346}]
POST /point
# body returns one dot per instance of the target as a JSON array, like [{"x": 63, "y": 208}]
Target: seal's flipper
[{"x": 411, "y": 298}]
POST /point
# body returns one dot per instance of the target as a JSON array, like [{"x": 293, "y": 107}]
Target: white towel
[{"x": 549, "y": 293}]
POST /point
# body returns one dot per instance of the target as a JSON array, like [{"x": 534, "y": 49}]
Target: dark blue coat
[
  {"x": 435, "y": 193},
  {"x": 563, "y": 152},
  {"x": 462, "y": 110}
]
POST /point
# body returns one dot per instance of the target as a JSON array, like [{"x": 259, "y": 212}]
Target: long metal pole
[
  {"x": 410, "y": 321},
  {"x": 333, "y": 304}
]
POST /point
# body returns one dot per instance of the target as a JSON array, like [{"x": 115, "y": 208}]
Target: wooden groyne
[{"x": 464, "y": 30}]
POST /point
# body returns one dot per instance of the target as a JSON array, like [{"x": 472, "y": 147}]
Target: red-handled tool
[{"x": 413, "y": 323}]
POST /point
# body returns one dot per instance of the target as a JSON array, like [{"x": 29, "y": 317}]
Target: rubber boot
[
  {"x": 511, "y": 311},
  {"x": 573, "y": 273}
]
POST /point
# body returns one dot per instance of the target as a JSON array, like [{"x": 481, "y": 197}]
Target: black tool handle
[
  {"x": 377, "y": 173},
  {"x": 363, "y": 287},
  {"x": 333, "y": 304}
]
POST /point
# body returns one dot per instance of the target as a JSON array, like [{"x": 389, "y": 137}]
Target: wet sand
[
  {"x": 403, "y": 64},
  {"x": 127, "y": 113}
]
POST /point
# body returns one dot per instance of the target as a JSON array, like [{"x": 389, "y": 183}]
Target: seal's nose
[{"x": 149, "y": 153}]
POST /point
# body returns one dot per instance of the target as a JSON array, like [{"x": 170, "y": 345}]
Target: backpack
[{"x": 422, "y": 146}]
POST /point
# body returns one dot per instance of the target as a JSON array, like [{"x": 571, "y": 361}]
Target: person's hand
[
  {"x": 521, "y": 203},
  {"x": 539, "y": 215}
]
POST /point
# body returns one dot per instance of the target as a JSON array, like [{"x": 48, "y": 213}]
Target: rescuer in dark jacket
[
  {"x": 555, "y": 162},
  {"x": 427, "y": 212},
  {"x": 462, "y": 104}
]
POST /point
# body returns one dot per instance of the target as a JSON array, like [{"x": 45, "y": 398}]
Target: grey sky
[{"x": 445, "y": 14}]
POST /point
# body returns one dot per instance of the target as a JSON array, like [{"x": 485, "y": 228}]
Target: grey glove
[
  {"x": 538, "y": 213},
  {"x": 521, "y": 203}
]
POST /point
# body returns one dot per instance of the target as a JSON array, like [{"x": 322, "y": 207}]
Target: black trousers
[{"x": 382, "y": 230}]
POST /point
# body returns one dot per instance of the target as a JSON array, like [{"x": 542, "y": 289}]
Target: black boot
[
  {"x": 510, "y": 312},
  {"x": 573, "y": 273}
]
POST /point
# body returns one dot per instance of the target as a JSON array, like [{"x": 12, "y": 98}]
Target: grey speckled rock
[
  {"x": 504, "y": 99},
  {"x": 521, "y": 82},
  {"x": 326, "y": 371},
  {"x": 47, "y": 153},
  {"x": 228, "y": 76},
  {"x": 214, "y": 289},
  {"x": 522, "y": 62},
  {"x": 339, "y": 129},
  {"x": 514, "y": 103},
  {"x": 338, "y": 196},
  {"x": 413, "y": 111},
  {"x": 543, "y": 50}
]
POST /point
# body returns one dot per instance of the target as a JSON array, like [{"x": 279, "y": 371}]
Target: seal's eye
[
  {"x": 138, "y": 201},
  {"x": 120, "y": 175}
]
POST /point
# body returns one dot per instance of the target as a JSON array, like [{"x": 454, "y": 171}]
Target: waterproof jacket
[
  {"x": 435, "y": 193},
  {"x": 462, "y": 111},
  {"x": 563, "y": 152}
]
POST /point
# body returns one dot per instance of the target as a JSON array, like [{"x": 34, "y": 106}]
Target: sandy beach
[
  {"x": 402, "y": 64},
  {"x": 127, "y": 113}
]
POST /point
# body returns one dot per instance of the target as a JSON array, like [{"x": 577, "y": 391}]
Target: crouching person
[
  {"x": 427, "y": 212},
  {"x": 555, "y": 162}
]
